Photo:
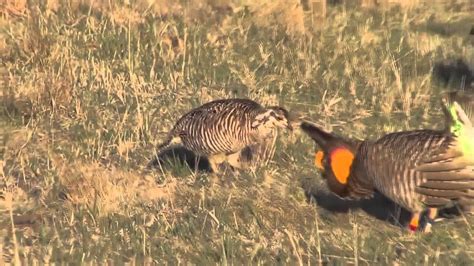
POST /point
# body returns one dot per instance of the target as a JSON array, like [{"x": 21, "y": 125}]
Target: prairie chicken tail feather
[
  {"x": 459, "y": 109},
  {"x": 450, "y": 173}
]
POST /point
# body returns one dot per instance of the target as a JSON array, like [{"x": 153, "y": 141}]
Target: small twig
[
  {"x": 9, "y": 201},
  {"x": 356, "y": 250},
  {"x": 293, "y": 245},
  {"x": 213, "y": 216},
  {"x": 465, "y": 220},
  {"x": 320, "y": 259}
]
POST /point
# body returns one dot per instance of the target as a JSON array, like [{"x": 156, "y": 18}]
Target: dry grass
[{"x": 88, "y": 91}]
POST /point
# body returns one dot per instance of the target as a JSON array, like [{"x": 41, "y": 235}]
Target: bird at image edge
[
  {"x": 417, "y": 169},
  {"x": 220, "y": 129}
]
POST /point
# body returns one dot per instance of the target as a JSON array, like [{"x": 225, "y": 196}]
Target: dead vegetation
[{"x": 90, "y": 88}]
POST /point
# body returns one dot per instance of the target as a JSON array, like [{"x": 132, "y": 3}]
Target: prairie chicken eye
[{"x": 279, "y": 118}]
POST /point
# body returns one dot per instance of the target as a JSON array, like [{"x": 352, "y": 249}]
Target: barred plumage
[
  {"x": 390, "y": 164},
  {"x": 417, "y": 169},
  {"x": 220, "y": 129}
]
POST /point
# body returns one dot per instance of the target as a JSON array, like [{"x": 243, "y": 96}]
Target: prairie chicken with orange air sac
[
  {"x": 416, "y": 169},
  {"x": 221, "y": 129}
]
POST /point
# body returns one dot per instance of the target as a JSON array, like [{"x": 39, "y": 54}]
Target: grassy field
[{"x": 89, "y": 90}]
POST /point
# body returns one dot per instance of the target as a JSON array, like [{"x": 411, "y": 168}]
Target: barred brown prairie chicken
[
  {"x": 221, "y": 129},
  {"x": 416, "y": 169}
]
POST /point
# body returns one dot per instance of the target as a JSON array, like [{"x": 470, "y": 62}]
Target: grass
[{"x": 90, "y": 90}]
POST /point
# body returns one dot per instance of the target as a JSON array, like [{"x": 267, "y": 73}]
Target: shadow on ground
[
  {"x": 379, "y": 207},
  {"x": 180, "y": 156}
]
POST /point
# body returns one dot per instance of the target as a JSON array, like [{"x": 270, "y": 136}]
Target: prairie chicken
[
  {"x": 416, "y": 169},
  {"x": 221, "y": 129}
]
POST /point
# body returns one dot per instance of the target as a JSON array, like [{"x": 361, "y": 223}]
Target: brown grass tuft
[
  {"x": 124, "y": 16},
  {"x": 109, "y": 190},
  {"x": 280, "y": 13}
]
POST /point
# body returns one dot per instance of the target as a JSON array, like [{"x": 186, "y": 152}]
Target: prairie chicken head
[
  {"x": 334, "y": 158},
  {"x": 274, "y": 116}
]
